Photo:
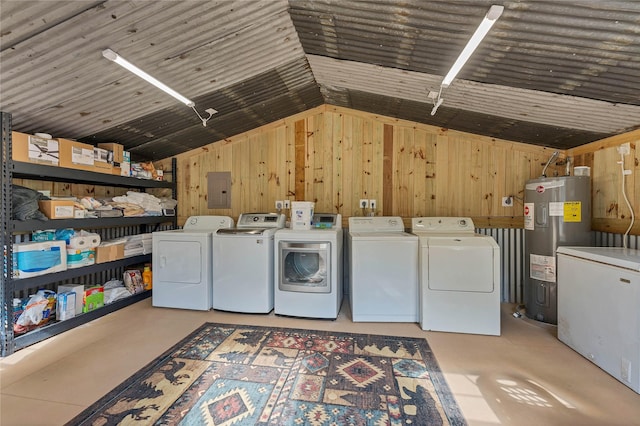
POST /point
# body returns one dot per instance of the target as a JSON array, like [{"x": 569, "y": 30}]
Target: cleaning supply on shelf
[{"x": 147, "y": 278}]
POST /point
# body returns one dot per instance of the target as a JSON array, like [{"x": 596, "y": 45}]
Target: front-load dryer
[
  {"x": 243, "y": 263},
  {"x": 459, "y": 276},
  {"x": 182, "y": 273},
  {"x": 308, "y": 269},
  {"x": 383, "y": 265}
]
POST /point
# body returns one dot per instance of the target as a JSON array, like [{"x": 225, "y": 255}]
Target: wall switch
[
  {"x": 507, "y": 201},
  {"x": 279, "y": 205},
  {"x": 373, "y": 204},
  {"x": 287, "y": 204},
  {"x": 364, "y": 203}
]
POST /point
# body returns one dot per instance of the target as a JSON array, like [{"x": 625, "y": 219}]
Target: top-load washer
[
  {"x": 308, "y": 269},
  {"x": 383, "y": 270},
  {"x": 182, "y": 273},
  {"x": 459, "y": 276},
  {"x": 243, "y": 263}
]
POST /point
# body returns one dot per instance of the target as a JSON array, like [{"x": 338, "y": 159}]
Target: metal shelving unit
[{"x": 9, "y": 170}]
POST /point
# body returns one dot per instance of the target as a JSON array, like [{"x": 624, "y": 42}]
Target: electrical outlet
[
  {"x": 287, "y": 204},
  {"x": 373, "y": 204},
  {"x": 279, "y": 205},
  {"x": 364, "y": 203},
  {"x": 624, "y": 149},
  {"x": 507, "y": 201}
]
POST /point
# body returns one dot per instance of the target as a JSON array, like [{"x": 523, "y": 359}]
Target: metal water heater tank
[{"x": 557, "y": 212}]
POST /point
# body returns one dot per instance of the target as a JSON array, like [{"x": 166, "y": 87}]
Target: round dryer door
[{"x": 304, "y": 267}]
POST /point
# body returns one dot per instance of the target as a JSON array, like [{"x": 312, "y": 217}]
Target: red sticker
[{"x": 540, "y": 189}]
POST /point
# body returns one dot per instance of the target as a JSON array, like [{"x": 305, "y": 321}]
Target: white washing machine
[
  {"x": 308, "y": 269},
  {"x": 243, "y": 264},
  {"x": 182, "y": 273},
  {"x": 383, "y": 270},
  {"x": 459, "y": 276}
]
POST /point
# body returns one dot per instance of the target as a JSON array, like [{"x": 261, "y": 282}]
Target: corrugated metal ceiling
[{"x": 553, "y": 73}]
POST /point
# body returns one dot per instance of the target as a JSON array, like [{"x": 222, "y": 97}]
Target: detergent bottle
[{"x": 147, "y": 278}]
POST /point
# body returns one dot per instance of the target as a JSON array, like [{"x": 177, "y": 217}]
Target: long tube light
[
  {"x": 490, "y": 18},
  {"x": 113, "y": 56}
]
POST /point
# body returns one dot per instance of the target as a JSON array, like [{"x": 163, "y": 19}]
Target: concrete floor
[{"x": 524, "y": 377}]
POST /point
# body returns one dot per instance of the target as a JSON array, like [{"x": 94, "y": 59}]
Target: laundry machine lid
[{"x": 616, "y": 256}]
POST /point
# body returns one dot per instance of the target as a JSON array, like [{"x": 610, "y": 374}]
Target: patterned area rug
[{"x": 228, "y": 375}]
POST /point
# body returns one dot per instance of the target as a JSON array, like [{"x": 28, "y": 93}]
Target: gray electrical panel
[
  {"x": 557, "y": 212},
  {"x": 219, "y": 190}
]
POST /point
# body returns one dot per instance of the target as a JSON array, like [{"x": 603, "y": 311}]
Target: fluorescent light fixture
[
  {"x": 490, "y": 18},
  {"x": 113, "y": 56}
]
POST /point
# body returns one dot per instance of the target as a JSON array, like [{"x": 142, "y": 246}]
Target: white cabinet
[{"x": 599, "y": 308}]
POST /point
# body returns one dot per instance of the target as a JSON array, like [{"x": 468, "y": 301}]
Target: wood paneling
[{"x": 336, "y": 156}]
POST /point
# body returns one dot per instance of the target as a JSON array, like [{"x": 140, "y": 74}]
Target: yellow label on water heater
[{"x": 573, "y": 211}]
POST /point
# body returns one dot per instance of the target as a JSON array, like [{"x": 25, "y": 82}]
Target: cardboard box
[
  {"x": 93, "y": 298},
  {"x": 109, "y": 252},
  {"x": 35, "y": 258},
  {"x": 34, "y": 149},
  {"x": 78, "y": 289},
  {"x": 76, "y": 155},
  {"x": 66, "y": 306},
  {"x": 116, "y": 149},
  {"x": 101, "y": 160},
  {"x": 57, "y": 209},
  {"x": 116, "y": 170}
]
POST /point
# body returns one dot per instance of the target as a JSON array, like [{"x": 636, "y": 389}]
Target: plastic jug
[{"x": 147, "y": 278}]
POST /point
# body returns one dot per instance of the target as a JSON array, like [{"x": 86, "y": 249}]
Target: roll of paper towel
[{"x": 84, "y": 241}]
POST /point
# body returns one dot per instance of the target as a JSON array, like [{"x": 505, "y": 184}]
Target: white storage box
[
  {"x": 38, "y": 258},
  {"x": 301, "y": 214}
]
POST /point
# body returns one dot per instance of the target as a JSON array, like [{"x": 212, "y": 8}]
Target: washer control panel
[
  {"x": 261, "y": 220},
  {"x": 326, "y": 220},
  {"x": 376, "y": 224},
  {"x": 442, "y": 225}
]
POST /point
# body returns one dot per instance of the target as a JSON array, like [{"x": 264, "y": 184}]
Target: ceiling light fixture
[
  {"x": 490, "y": 18},
  {"x": 113, "y": 56}
]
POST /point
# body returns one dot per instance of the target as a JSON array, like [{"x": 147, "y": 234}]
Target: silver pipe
[{"x": 553, "y": 156}]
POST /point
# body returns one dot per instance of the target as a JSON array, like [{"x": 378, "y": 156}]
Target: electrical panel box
[{"x": 219, "y": 190}]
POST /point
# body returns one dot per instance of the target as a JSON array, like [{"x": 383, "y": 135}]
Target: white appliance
[
  {"x": 383, "y": 265},
  {"x": 243, "y": 263},
  {"x": 182, "y": 273},
  {"x": 459, "y": 276},
  {"x": 599, "y": 308},
  {"x": 308, "y": 269}
]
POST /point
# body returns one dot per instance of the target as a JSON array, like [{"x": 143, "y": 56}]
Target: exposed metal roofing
[{"x": 552, "y": 73}]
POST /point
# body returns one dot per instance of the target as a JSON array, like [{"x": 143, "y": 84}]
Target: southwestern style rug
[{"x": 228, "y": 375}]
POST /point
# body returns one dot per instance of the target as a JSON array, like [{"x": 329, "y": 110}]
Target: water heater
[{"x": 557, "y": 212}]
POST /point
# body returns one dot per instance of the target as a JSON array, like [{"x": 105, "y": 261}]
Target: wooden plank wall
[
  {"x": 336, "y": 156},
  {"x": 609, "y": 208}
]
